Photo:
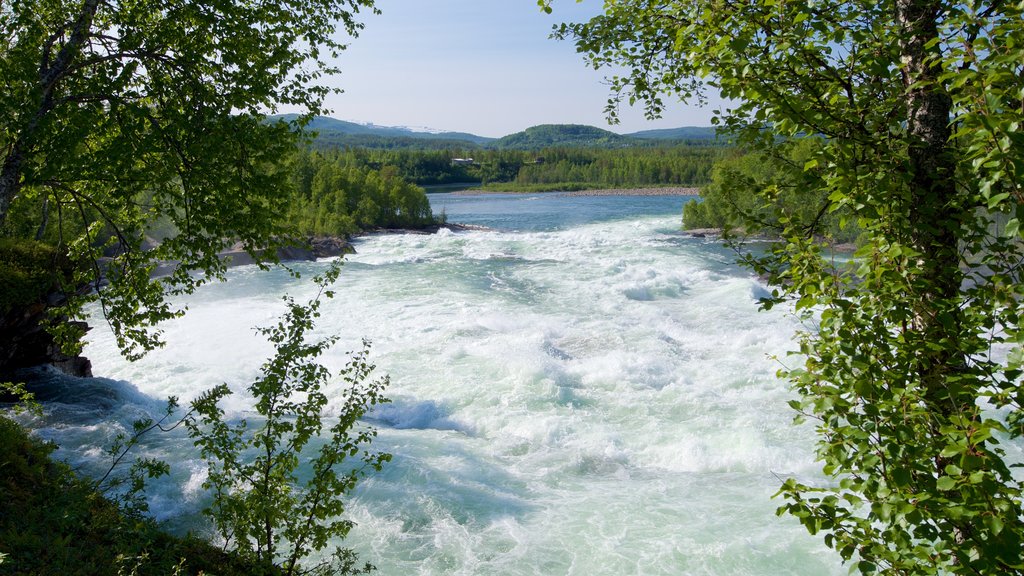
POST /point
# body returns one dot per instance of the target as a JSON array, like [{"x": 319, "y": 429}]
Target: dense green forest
[
  {"x": 345, "y": 191},
  {"x": 336, "y": 191},
  {"x": 546, "y": 157},
  {"x": 336, "y": 194},
  {"x": 547, "y": 135},
  {"x": 581, "y": 167}
]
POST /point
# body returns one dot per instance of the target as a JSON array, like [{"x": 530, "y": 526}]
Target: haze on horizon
[{"x": 487, "y": 67}]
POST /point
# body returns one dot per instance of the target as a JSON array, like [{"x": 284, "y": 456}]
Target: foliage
[
  {"x": 52, "y": 522},
  {"x": 687, "y": 165},
  {"x": 755, "y": 193},
  {"x": 260, "y": 507},
  {"x": 126, "y": 488},
  {"x": 21, "y": 399},
  {"x": 335, "y": 196},
  {"x": 28, "y": 271},
  {"x": 116, "y": 114},
  {"x": 911, "y": 365}
]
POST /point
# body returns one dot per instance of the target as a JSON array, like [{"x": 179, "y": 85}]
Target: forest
[{"x": 680, "y": 165}]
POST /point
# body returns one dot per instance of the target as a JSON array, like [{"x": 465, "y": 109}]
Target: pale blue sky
[{"x": 480, "y": 66}]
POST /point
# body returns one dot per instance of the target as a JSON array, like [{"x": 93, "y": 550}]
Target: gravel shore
[
  {"x": 638, "y": 192},
  {"x": 674, "y": 191}
]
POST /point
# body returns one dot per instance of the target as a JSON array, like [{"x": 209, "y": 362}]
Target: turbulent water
[{"x": 578, "y": 389}]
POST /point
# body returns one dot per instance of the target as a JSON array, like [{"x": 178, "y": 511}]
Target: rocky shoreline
[
  {"x": 316, "y": 247},
  {"x": 426, "y": 230}
]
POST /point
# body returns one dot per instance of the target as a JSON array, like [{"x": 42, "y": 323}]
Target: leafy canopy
[
  {"x": 120, "y": 120},
  {"x": 911, "y": 363}
]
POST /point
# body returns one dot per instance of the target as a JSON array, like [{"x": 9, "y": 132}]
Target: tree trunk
[
  {"x": 44, "y": 219},
  {"x": 10, "y": 179},
  {"x": 934, "y": 214},
  {"x": 935, "y": 221}
]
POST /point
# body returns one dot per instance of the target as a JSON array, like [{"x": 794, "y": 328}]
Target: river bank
[
  {"x": 661, "y": 191},
  {"x": 673, "y": 191}
]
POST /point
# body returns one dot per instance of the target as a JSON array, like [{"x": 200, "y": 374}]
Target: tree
[
  {"x": 260, "y": 506},
  {"x": 117, "y": 115},
  {"x": 912, "y": 365}
]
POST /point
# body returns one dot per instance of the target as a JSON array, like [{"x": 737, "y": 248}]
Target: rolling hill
[
  {"x": 684, "y": 133},
  {"x": 332, "y": 132},
  {"x": 568, "y": 135}
]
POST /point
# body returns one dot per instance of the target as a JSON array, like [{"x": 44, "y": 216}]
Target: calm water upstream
[{"x": 579, "y": 389}]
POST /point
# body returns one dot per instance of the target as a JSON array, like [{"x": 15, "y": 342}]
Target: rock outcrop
[{"x": 24, "y": 341}]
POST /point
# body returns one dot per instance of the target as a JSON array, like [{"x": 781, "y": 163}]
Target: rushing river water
[{"x": 580, "y": 389}]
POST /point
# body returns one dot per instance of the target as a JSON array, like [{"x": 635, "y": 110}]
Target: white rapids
[{"x": 597, "y": 398}]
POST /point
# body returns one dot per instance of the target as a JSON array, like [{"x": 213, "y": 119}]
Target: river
[{"x": 578, "y": 389}]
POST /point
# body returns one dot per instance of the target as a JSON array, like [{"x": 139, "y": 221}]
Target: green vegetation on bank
[
  {"x": 332, "y": 193},
  {"x": 53, "y": 522},
  {"x": 563, "y": 135},
  {"x": 28, "y": 270},
  {"x": 764, "y": 192},
  {"x": 548, "y": 168},
  {"x": 117, "y": 122},
  {"x": 271, "y": 518}
]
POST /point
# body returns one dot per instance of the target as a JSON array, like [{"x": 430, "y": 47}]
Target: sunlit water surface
[{"x": 578, "y": 389}]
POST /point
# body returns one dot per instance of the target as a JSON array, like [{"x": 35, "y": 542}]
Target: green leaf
[
  {"x": 994, "y": 523},
  {"x": 1012, "y": 229}
]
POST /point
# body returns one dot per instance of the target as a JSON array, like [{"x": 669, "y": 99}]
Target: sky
[{"x": 481, "y": 66}]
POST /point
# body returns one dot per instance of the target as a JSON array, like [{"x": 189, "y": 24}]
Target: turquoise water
[{"x": 578, "y": 389}]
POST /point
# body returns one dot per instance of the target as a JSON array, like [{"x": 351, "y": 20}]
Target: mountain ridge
[{"x": 333, "y": 132}]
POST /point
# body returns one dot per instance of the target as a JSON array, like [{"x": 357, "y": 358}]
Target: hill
[
  {"x": 563, "y": 135},
  {"x": 689, "y": 133},
  {"x": 331, "y": 131}
]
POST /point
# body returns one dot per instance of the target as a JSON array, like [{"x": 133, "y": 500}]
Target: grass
[{"x": 53, "y": 522}]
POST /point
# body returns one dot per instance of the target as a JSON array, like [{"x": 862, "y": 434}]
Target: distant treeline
[
  {"x": 340, "y": 192},
  {"x": 593, "y": 167}
]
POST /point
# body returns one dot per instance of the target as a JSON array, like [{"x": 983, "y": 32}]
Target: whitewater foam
[{"x": 591, "y": 398}]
